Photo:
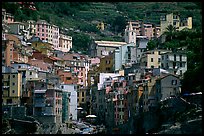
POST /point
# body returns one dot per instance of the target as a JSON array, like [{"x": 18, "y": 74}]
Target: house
[
  {"x": 48, "y": 106},
  {"x": 55, "y": 37},
  {"x": 71, "y": 88},
  {"x": 149, "y": 94},
  {"x": 18, "y": 28},
  {"x": 44, "y": 31},
  {"x": 106, "y": 64},
  {"x": 139, "y": 28},
  {"x": 65, "y": 106},
  {"x": 39, "y": 103},
  {"x": 100, "y": 105},
  {"x": 44, "y": 48},
  {"x": 104, "y": 48},
  {"x": 152, "y": 58},
  {"x": 7, "y": 52},
  {"x": 167, "y": 86},
  {"x": 176, "y": 21},
  {"x": 174, "y": 62},
  {"x": 48, "y": 33},
  {"x": 31, "y": 27},
  {"x": 65, "y": 43},
  {"x": 141, "y": 47},
  {"x": 78, "y": 65},
  {"x": 11, "y": 88},
  {"x": 124, "y": 56}
]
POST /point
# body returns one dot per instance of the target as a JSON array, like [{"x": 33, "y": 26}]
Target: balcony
[{"x": 5, "y": 87}]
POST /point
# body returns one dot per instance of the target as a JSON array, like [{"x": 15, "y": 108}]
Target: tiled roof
[{"x": 54, "y": 58}]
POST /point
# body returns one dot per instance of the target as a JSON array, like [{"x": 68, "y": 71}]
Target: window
[
  {"x": 82, "y": 100},
  {"x": 107, "y": 61},
  {"x": 159, "y": 59},
  {"x": 13, "y": 76},
  {"x": 13, "y": 91},
  {"x": 68, "y": 78},
  {"x": 159, "y": 52},
  {"x": 174, "y": 82},
  {"x": 62, "y": 87},
  {"x": 151, "y": 59},
  {"x": 82, "y": 94},
  {"x": 30, "y": 73},
  {"x": 107, "y": 69},
  {"x": 19, "y": 66},
  {"x": 174, "y": 57},
  {"x": 181, "y": 72},
  {"x": 180, "y": 57},
  {"x": 180, "y": 64},
  {"x": 167, "y": 65},
  {"x": 13, "y": 84}
]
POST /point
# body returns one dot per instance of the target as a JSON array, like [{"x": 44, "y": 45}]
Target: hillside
[
  {"x": 79, "y": 19},
  {"x": 85, "y": 15}
]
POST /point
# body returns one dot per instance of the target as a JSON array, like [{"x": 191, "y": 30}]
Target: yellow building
[
  {"x": 81, "y": 97},
  {"x": 100, "y": 26},
  {"x": 12, "y": 85},
  {"x": 152, "y": 58},
  {"x": 175, "y": 20},
  {"x": 45, "y": 48},
  {"x": 106, "y": 64}
]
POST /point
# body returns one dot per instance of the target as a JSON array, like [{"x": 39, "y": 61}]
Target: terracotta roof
[
  {"x": 54, "y": 58},
  {"x": 166, "y": 76}
]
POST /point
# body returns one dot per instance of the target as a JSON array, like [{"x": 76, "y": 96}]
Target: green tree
[
  {"x": 152, "y": 44},
  {"x": 81, "y": 42},
  {"x": 170, "y": 30},
  {"x": 119, "y": 24}
]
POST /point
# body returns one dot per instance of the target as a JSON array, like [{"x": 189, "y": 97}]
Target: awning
[{"x": 91, "y": 116}]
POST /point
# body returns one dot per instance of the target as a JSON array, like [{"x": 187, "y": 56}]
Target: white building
[
  {"x": 103, "y": 77},
  {"x": 124, "y": 55},
  {"x": 174, "y": 62},
  {"x": 73, "y": 99},
  {"x": 141, "y": 46},
  {"x": 130, "y": 34},
  {"x": 104, "y": 48}
]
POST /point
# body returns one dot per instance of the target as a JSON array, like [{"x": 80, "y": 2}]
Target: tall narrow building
[{"x": 130, "y": 34}]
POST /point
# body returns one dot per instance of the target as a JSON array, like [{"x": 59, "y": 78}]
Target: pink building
[
  {"x": 42, "y": 28},
  {"x": 48, "y": 32},
  {"x": 141, "y": 29},
  {"x": 55, "y": 36},
  {"x": 148, "y": 30}
]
